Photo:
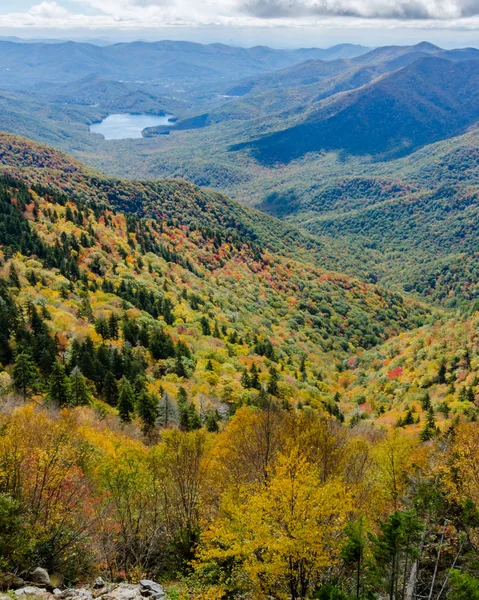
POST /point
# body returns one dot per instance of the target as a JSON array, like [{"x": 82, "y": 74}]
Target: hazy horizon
[{"x": 276, "y": 23}]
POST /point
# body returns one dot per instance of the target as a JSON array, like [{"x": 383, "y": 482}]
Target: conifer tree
[
  {"x": 126, "y": 400},
  {"x": 58, "y": 384},
  {"x": 146, "y": 408},
  {"x": 79, "y": 392},
  {"x": 24, "y": 373}
]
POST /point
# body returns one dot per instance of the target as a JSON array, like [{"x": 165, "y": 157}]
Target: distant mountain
[
  {"x": 430, "y": 100},
  {"x": 26, "y": 64}
]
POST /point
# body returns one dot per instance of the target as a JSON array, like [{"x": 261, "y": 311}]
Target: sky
[{"x": 279, "y": 23}]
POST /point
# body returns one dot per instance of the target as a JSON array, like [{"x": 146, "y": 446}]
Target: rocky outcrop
[{"x": 146, "y": 589}]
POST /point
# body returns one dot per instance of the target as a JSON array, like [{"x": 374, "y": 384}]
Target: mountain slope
[{"x": 429, "y": 100}]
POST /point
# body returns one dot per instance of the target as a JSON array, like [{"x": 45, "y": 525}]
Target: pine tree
[
  {"x": 273, "y": 388},
  {"x": 212, "y": 420},
  {"x": 58, "y": 386},
  {"x": 79, "y": 392},
  {"x": 13, "y": 279},
  {"x": 102, "y": 328},
  {"x": 114, "y": 326},
  {"x": 24, "y": 374},
  {"x": 146, "y": 408},
  {"x": 205, "y": 326},
  {"x": 126, "y": 400},
  {"x": 254, "y": 378},
  {"x": 110, "y": 389},
  {"x": 209, "y": 366},
  {"x": 245, "y": 379},
  {"x": 430, "y": 428}
]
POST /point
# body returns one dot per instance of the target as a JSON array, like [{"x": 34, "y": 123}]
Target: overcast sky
[{"x": 248, "y": 22}]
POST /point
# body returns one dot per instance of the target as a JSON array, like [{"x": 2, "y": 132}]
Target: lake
[{"x": 126, "y": 126}]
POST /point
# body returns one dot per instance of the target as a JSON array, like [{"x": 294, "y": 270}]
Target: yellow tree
[{"x": 280, "y": 536}]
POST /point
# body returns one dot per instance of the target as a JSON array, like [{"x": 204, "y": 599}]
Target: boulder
[
  {"x": 151, "y": 589},
  {"x": 31, "y": 590},
  {"x": 76, "y": 593},
  {"x": 39, "y": 576},
  {"x": 10, "y": 581},
  {"x": 124, "y": 591},
  {"x": 98, "y": 583}
]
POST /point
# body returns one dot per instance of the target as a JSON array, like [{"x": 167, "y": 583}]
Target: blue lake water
[{"x": 126, "y": 126}]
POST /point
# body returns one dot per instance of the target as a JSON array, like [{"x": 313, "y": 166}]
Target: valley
[{"x": 239, "y": 319}]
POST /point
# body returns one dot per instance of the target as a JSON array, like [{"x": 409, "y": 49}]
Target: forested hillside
[{"x": 189, "y": 394}]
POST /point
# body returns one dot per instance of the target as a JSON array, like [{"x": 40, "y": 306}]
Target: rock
[
  {"x": 151, "y": 589},
  {"x": 124, "y": 591},
  {"x": 56, "y": 592},
  {"x": 40, "y": 576},
  {"x": 74, "y": 593},
  {"x": 98, "y": 583},
  {"x": 10, "y": 581},
  {"x": 31, "y": 590}
]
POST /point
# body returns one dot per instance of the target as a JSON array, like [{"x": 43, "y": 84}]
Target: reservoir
[{"x": 127, "y": 126}]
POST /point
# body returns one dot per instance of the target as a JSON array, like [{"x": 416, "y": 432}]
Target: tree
[
  {"x": 13, "y": 278},
  {"x": 58, "y": 386},
  {"x": 166, "y": 411},
  {"x": 273, "y": 388},
  {"x": 24, "y": 374},
  {"x": 79, "y": 392},
  {"x": 394, "y": 546},
  {"x": 430, "y": 428},
  {"x": 282, "y": 536},
  {"x": 161, "y": 345},
  {"x": 353, "y": 549},
  {"x": 110, "y": 389},
  {"x": 126, "y": 400},
  {"x": 463, "y": 586},
  {"x": 205, "y": 326},
  {"x": 102, "y": 328},
  {"x": 146, "y": 408}
]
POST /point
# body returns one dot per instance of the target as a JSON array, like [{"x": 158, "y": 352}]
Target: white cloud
[
  {"x": 48, "y": 10},
  {"x": 348, "y": 14}
]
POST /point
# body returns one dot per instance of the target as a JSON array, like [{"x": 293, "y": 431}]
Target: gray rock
[
  {"x": 124, "y": 591},
  {"x": 40, "y": 576},
  {"x": 151, "y": 589},
  {"x": 74, "y": 593},
  {"x": 98, "y": 583},
  {"x": 31, "y": 590},
  {"x": 56, "y": 592}
]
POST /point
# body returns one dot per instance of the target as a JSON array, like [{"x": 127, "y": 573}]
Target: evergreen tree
[
  {"x": 209, "y": 366},
  {"x": 430, "y": 428},
  {"x": 205, "y": 326},
  {"x": 161, "y": 345},
  {"x": 273, "y": 388},
  {"x": 254, "y": 377},
  {"x": 79, "y": 392},
  {"x": 110, "y": 389},
  {"x": 245, "y": 379},
  {"x": 13, "y": 278},
  {"x": 102, "y": 328},
  {"x": 146, "y": 408},
  {"x": 212, "y": 421},
  {"x": 126, "y": 400},
  {"x": 114, "y": 326},
  {"x": 24, "y": 374},
  {"x": 426, "y": 401},
  {"x": 58, "y": 386}
]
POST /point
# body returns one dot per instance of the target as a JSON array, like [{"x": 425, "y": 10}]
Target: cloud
[
  {"x": 369, "y": 9},
  {"x": 48, "y": 10},
  {"x": 347, "y": 14}
]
